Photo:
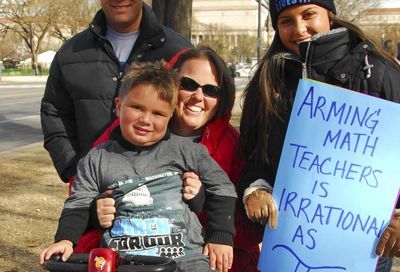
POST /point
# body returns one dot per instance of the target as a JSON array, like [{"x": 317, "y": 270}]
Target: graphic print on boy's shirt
[{"x": 151, "y": 218}]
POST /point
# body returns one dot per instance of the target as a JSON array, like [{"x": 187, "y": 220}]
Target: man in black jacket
[{"x": 86, "y": 74}]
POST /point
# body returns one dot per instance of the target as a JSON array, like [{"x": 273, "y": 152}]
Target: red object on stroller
[{"x": 103, "y": 260}]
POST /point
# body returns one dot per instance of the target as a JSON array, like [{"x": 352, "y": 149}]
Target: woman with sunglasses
[
  {"x": 205, "y": 101},
  {"x": 310, "y": 41}
]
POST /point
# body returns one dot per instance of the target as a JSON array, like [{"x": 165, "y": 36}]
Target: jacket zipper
[
  {"x": 304, "y": 73},
  {"x": 290, "y": 56}
]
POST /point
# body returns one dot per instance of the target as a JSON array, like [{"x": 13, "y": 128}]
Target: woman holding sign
[{"x": 310, "y": 42}]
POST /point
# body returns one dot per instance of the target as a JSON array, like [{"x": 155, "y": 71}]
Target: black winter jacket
[
  {"x": 337, "y": 58},
  {"x": 84, "y": 79}
]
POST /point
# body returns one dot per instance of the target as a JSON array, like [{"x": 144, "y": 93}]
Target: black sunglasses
[{"x": 189, "y": 84}]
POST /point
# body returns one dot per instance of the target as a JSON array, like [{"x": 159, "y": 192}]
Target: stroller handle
[{"x": 130, "y": 263}]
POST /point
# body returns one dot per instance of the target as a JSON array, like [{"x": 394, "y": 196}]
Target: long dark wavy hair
[{"x": 262, "y": 97}]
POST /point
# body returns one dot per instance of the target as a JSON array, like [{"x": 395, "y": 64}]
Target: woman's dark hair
[
  {"x": 225, "y": 80},
  {"x": 264, "y": 94},
  {"x": 390, "y": 47},
  {"x": 398, "y": 50}
]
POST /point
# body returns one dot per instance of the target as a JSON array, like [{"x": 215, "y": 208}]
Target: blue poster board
[{"x": 337, "y": 182}]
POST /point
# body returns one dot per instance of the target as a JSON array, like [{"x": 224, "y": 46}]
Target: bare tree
[
  {"x": 9, "y": 47},
  {"x": 215, "y": 39},
  {"x": 74, "y": 16},
  {"x": 382, "y": 32},
  {"x": 29, "y": 19},
  {"x": 214, "y": 36},
  {"x": 353, "y": 10},
  {"x": 176, "y": 14},
  {"x": 230, "y": 45},
  {"x": 245, "y": 50}
]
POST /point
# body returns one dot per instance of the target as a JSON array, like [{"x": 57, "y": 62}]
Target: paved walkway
[{"x": 23, "y": 79}]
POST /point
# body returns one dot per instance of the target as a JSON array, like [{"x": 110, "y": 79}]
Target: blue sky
[{"x": 391, "y": 3}]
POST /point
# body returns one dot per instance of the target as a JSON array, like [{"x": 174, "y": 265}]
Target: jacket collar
[
  {"x": 212, "y": 134},
  {"x": 150, "y": 29},
  {"x": 98, "y": 25},
  {"x": 346, "y": 67},
  {"x": 324, "y": 50},
  {"x": 337, "y": 53}
]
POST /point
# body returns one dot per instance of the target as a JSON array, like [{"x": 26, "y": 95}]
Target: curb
[
  {"x": 23, "y": 79},
  {"x": 18, "y": 150}
]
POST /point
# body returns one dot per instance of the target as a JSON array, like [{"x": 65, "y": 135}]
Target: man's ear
[{"x": 117, "y": 106}]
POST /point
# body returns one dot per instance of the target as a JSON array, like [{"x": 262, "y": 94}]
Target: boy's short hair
[{"x": 157, "y": 74}]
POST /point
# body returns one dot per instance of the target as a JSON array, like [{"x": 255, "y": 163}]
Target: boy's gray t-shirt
[{"x": 111, "y": 164}]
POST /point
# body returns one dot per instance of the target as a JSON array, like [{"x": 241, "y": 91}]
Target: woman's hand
[
  {"x": 105, "y": 208},
  {"x": 191, "y": 185},
  {"x": 259, "y": 206},
  {"x": 389, "y": 243}
]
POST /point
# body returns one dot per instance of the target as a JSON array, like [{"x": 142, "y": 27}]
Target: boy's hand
[
  {"x": 259, "y": 206},
  {"x": 63, "y": 247},
  {"x": 105, "y": 208},
  {"x": 221, "y": 256},
  {"x": 389, "y": 243},
  {"x": 191, "y": 185}
]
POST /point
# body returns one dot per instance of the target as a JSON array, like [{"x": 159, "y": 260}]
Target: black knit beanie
[{"x": 276, "y": 6}]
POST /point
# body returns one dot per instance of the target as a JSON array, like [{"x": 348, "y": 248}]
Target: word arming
[{"x": 342, "y": 114}]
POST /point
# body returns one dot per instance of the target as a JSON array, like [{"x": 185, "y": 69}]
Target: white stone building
[
  {"x": 235, "y": 17},
  {"x": 382, "y": 22}
]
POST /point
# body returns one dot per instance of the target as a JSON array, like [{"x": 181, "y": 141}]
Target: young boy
[{"x": 142, "y": 163}]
